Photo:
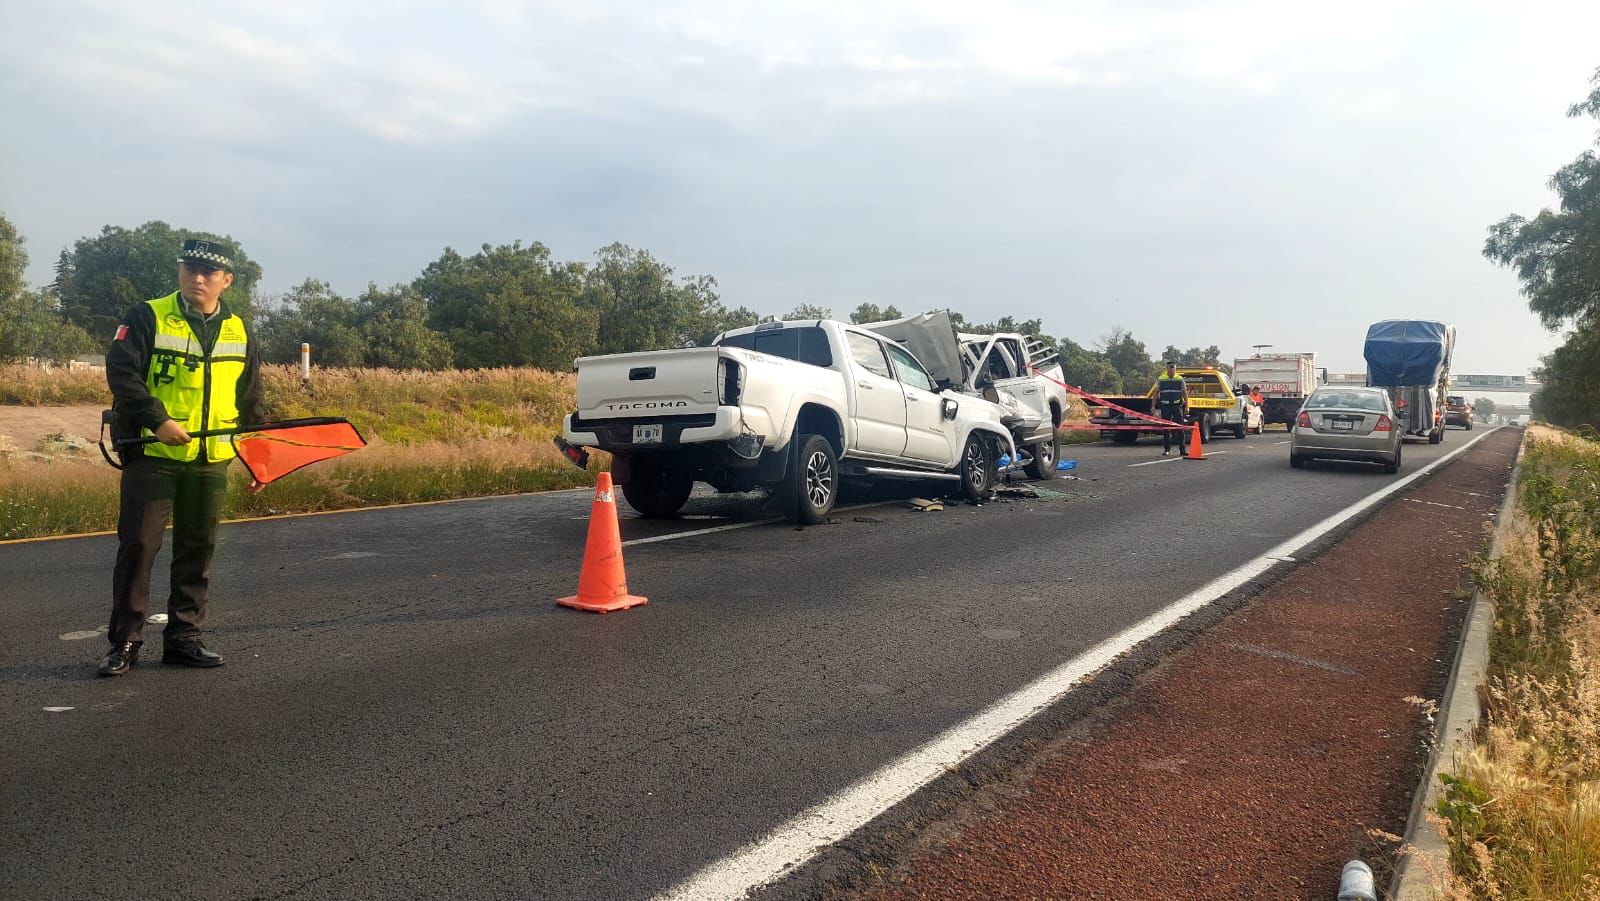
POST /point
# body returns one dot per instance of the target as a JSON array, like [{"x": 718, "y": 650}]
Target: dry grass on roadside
[
  {"x": 37, "y": 386},
  {"x": 434, "y": 436},
  {"x": 1522, "y": 813},
  {"x": 408, "y": 407}
]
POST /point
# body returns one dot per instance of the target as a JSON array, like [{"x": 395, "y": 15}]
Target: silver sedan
[{"x": 1347, "y": 423}]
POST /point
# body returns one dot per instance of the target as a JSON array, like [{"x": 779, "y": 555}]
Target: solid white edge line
[{"x": 797, "y": 841}]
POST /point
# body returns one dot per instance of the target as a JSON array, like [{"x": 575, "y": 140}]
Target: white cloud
[{"x": 1090, "y": 162}]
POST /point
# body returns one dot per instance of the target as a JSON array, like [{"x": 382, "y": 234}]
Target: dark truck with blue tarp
[{"x": 1411, "y": 359}]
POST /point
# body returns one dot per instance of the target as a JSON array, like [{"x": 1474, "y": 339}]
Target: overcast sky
[{"x": 1230, "y": 173}]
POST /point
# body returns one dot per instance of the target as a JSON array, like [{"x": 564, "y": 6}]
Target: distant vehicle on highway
[
  {"x": 1410, "y": 359},
  {"x": 791, "y": 406},
  {"x": 1347, "y": 423},
  {"x": 1284, "y": 380},
  {"x": 1456, "y": 412},
  {"x": 1254, "y": 420}
]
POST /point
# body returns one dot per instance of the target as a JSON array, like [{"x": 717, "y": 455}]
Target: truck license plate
[{"x": 647, "y": 434}]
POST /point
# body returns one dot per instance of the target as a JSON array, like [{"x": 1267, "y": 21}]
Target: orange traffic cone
[
  {"x": 1194, "y": 445},
  {"x": 602, "y": 586}
]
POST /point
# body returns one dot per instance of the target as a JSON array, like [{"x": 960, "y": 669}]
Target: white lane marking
[
  {"x": 1285, "y": 441},
  {"x": 1433, "y": 504},
  {"x": 156, "y": 618},
  {"x": 1156, "y": 461},
  {"x": 800, "y": 839},
  {"x": 58, "y": 709},
  {"x": 79, "y": 636},
  {"x": 737, "y": 525},
  {"x": 1176, "y": 459}
]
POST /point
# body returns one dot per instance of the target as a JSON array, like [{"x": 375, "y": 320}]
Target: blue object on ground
[{"x": 1064, "y": 465}]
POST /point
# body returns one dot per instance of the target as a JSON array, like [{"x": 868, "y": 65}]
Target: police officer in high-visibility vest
[
  {"x": 1172, "y": 404},
  {"x": 177, "y": 364}
]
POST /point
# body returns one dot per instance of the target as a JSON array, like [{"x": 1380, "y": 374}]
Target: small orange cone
[
  {"x": 602, "y": 586},
  {"x": 1194, "y": 445}
]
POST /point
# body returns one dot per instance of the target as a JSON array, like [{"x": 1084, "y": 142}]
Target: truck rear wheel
[
  {"x": 814, "y": 483},
  {"x": 1240, "y": 430},
  {"x": 1044, "y": 454},
  {"x": 655, "y": 489},
  {"x": 1436, "y": 436}
]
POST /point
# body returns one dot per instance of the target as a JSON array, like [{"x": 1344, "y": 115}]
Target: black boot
[
  {"x": 120, "y": 659},
  {"x": 189, "y": 652}
]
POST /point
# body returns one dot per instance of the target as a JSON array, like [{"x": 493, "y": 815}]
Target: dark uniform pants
[
  {"x": 153, "y": 491},
  {"x": 1171, "y": 436}
]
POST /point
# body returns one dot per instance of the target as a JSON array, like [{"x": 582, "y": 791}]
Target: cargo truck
[
  {"x": 1284, "y": 380},
  {"x": 1410, "y": 358}
]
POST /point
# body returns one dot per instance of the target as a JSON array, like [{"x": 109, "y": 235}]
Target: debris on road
[
  {"x": 923, "y": 505},
  {"x": 868, "y": 519}
]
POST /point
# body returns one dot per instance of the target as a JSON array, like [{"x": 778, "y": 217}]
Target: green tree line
[
  {"x": 505, "y": 305},
  {"x": 1556, "y": 256}
]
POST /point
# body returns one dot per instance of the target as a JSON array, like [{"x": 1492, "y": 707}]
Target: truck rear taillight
[
  {"x": 1303, "y": 421},
  {"x": 730, "y": 382},
  {"x": 1384, "y": 425}
]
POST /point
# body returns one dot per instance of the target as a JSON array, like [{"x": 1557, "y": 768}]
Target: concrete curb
[{"x": 1420, "y": 875}]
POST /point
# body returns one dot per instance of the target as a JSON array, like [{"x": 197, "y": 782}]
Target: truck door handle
[
  {"x": 1031, "y": 391},
  {"x": 913, "y": 398},
  {"x": 866, "y": 385}
]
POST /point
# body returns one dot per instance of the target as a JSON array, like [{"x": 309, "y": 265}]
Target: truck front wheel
[
  {"x": 814, "y": 483},
  {"x": 977, "y": 469},
  {"x": 1044, "y": 457},
  {"x": 656, "y": 490}
]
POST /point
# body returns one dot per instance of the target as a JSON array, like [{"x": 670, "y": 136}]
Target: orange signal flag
[{"x": 271, "y": 454}]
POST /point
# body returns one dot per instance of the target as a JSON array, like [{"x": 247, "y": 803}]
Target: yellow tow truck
[{"x": 1213, "y": 403}]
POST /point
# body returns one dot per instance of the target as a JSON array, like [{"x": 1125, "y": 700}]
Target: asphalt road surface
[{"x": 406, "y": 712}]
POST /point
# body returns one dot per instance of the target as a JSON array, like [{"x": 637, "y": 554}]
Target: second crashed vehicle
[{"x": 792, "y": 406}]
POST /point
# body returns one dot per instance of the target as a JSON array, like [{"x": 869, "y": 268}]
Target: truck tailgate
[{"x": 657, "y": 382}]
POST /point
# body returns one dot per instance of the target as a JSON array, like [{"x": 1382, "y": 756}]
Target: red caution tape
[{"x": 1157, "y": 424}]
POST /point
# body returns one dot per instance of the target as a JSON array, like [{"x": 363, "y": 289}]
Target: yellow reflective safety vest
[{"x": 199, "y": 388}]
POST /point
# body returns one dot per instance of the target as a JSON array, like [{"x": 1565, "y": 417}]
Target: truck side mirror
[{"x": 949, "y": 408}]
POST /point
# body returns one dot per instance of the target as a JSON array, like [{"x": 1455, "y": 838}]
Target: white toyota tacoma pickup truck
[{"x": 792, "y": 406}]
